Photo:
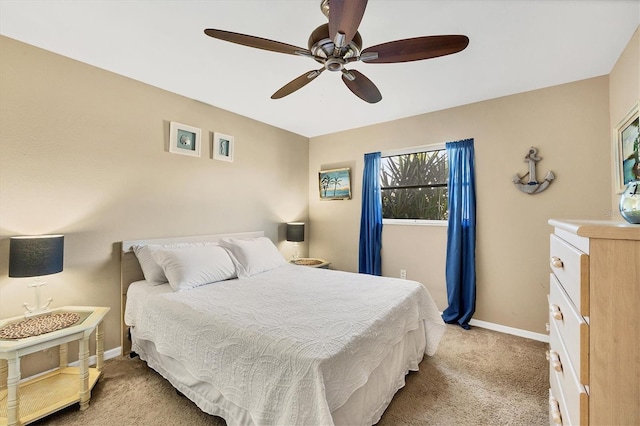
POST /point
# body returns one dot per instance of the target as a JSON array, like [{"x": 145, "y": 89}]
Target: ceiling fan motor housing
[{"x": 322, "y": 48}]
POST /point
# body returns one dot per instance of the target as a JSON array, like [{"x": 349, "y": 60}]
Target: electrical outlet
[{"x": 403, "y": 274}]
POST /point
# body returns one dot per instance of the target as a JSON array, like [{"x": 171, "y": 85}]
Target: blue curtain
[
  {"x": 370, "y": 261},
  {"x": 461, "y": 235}
]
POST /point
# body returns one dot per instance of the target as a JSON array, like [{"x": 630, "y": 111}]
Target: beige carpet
[{"x": 477, "y": 377}]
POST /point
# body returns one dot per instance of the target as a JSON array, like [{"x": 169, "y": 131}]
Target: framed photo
[
  {"x": 626, "y": 157},
  {"x": 222, "y": 147},
  {"x": 184, "y": 139},
  {"x": 335, "y": 184}
]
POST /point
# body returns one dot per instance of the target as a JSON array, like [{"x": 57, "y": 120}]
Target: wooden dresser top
[{"x": 606, "y": 229}]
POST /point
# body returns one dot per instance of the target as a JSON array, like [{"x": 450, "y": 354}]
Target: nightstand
[
  {"x": 56, "y": 389},
  {"x": 311, "y": 262}
]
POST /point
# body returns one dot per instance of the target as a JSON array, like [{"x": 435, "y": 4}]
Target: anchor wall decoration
[{"x": 532, "y": 186}]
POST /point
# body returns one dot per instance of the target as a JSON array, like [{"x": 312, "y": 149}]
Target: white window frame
[{"x": 412, "y": 150}]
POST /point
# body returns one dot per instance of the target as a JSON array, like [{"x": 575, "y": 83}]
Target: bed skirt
[{"x": 364, "y": 407}]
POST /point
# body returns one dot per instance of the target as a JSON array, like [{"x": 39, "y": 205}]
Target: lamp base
[
  {"x": 296, "y": 251},
  {"x": 38, "y": 310}
]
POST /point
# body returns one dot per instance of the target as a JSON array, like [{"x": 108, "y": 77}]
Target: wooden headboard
[{"x": 130, "y": 270}]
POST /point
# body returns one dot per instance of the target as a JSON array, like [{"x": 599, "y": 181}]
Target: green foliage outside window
[{"x": 414, "y": 186}]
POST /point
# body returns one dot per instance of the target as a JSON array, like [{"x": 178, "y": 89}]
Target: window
[{"x": 414, "y": 184}]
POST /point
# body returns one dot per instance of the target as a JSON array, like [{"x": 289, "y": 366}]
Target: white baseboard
[
  {"x": 111, "y": 353},
  {"x": 510, "y": 330}
]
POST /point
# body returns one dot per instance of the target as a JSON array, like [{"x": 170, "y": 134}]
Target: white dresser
[{"x": 594, "y": 323}]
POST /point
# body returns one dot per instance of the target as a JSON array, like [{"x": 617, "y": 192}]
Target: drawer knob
[
  {"x": 554, "y": 410},
  {"x": 555, "y": 311},
  {"x": 556, "y": 262},
  {"x": 554, "y": 360}
]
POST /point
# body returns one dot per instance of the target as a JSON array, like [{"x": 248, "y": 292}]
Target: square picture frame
[
  {"x": 184, "y": 139},
  {"x": 626, "y": 157},
  {"x": 223, "y": 147},
  {"x": 335, "y": 184}
]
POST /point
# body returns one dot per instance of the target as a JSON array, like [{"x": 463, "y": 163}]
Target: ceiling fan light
[{"x": 334, "y": 64}]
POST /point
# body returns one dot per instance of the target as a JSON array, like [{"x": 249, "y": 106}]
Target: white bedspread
[{"x": 289, "y": 345}]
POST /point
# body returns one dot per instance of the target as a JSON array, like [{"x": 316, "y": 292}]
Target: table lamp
[
  {"x": 35, "y": 256},
  {"x": 295, "y": 234}
]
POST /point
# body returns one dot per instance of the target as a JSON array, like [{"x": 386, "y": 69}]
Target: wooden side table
[
  {"x": 22, "y": 403},
  {"x": 311, "y": 262}
]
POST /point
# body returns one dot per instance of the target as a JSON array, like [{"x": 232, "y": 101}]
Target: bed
[{"x": 268, "y": 342}]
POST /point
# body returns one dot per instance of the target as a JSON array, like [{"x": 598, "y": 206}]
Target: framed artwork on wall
[
  {"x": 184, "y": 139},
  {"x": 626, "y": 157},
  {"x": 335, "y": 184},
  {"x": 223, "y": 147}
]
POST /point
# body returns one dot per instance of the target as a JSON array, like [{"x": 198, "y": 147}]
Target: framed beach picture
[
  {"x": 626, "y": 157},
  {"x": 335, "y": 184},
  {"x": 223, "y": 147},
  {"x": 184, "y": 139}
]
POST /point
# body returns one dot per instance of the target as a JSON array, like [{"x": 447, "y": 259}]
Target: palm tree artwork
[
  {"x": 335, "y": 180},
  {"x": 335, "y": 184},
  {"x": 324, "y": 184}
]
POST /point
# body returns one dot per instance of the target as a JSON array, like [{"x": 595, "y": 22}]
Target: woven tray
[
  {"x": 307, "y": 262},
  {"x": 39, "y": 325}
]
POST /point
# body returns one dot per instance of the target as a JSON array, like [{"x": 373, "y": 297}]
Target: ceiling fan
[{"x": 338, "y": 43}]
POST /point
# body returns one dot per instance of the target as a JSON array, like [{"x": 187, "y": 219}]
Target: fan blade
[
  {"x": 415, "y": 49},
  {"x": 257, "y": 42},
  {"x": 362, "y": 87},
  {"x": 296, "y": 84},
  {"x": 345, "y": 17}
]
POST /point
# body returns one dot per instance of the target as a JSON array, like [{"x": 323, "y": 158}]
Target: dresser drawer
[
  {"x": 555, "y": 415},
  {"x": 560, "y": 417},
  {"x": 571, "y": 266},
  {"x": 571, "y": 395},
  {"x": 569, "y": 329},
  {"x": 572, "y": 402}
]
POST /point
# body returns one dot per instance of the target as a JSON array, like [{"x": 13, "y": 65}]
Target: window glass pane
[
  {"x": 414, "y": 186},
  {"x": 415, "y": 203},
  {"x": 420, "y": 168}
]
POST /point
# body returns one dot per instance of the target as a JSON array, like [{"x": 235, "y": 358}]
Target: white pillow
[
  {"x": 253, "y": 255},
  {"x": 153, "y": 272},
  {"x": 189, "y": 267}
]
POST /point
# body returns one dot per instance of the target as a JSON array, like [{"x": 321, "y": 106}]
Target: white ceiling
[{"x": 515, "y": 46}]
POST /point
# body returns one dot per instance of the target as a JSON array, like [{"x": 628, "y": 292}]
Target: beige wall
[
  {"x": 569, "y": 124},
  {"x": 624, "y": 92},
  {"x": 83, "y": 153}
]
